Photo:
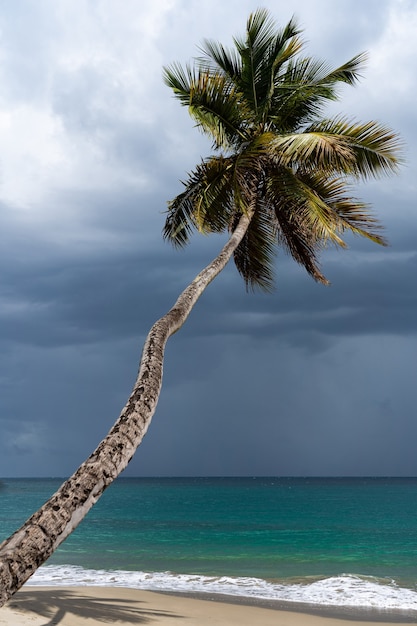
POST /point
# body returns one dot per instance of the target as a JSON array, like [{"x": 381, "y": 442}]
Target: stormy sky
[{"x": 309, "y": 380}]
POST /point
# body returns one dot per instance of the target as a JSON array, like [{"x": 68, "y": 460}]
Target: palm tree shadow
[{"x": 55, "y": 604}]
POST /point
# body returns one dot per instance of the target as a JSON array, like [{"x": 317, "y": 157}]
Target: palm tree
[{"x": 280, "y": 176}]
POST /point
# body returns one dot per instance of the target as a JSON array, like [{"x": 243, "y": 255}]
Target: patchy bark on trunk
[{"x": 31, "y": 545}]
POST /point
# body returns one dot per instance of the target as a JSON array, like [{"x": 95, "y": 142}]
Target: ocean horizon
[{"x": 305, "y": 541}]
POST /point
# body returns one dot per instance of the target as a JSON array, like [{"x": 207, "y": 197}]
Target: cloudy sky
[{"x": 310, "y": 380}]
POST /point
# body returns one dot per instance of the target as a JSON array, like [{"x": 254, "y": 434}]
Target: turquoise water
[{"x": 312, "y": 540}]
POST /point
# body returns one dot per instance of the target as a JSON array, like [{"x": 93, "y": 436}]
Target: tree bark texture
[{"x": 31, "y": 545}]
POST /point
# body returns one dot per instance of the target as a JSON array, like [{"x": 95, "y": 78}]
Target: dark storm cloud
[
  {"x": 73, "y": 302},
  {"x": 54, "y": 298},
  {"x": 371, "y": 292}
]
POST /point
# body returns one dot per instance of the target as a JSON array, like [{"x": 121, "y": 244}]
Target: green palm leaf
[
  {"x": 206, "y": 203},
  {"x": 216, "y": 57},
  {"x": 376, "y": 149},
  {"x": 352, "y": 214},
  {"x": 315, "y": 150},
  {"x": 213, "y": 102},
  {"x": 283, "y": 166},
  {"x": 255, "y": 256},
  {"x": 349, "y": 72}
]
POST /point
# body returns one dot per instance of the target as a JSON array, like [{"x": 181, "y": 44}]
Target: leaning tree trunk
[{"x": 31, "y": 545}]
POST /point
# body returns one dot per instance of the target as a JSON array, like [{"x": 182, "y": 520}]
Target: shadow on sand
[{"x": 54, "y": 605}]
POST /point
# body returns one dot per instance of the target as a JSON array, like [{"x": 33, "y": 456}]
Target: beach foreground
[{"x": 86, "y": 606}]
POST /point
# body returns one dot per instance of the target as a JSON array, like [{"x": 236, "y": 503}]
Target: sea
[{"x": 313, "y": 544}]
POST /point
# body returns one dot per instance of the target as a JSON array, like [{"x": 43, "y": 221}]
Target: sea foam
[{"x": 346, "y": 590}]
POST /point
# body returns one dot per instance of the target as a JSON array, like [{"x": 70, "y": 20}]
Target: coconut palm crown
[{"x": 276, "y": 158}]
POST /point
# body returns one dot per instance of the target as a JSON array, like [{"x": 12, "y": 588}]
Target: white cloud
[
  {"x": 98, "y": 82},
  {"x": 393, "y": 55}
]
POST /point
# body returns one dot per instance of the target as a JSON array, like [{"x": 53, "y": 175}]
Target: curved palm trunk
[{"x": 31, "y": 545}]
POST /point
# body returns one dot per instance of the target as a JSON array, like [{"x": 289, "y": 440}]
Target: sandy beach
[{"x": 87, "y": 606}]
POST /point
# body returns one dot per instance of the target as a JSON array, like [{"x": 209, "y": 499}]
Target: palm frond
[
  {"x": 300, "y": 93},
  {"x": 254, "y": 257},
  {"x": 179, "y": 79},
  {"x": 218, "y": 110},
  {"x": 282, "y": 51},
  {"x": 297, "y": 241},
  {"x": 252, "y": 49},
  {"x": 353, "y": 214},
  {"x": 216, "y": 57},
  {"x": 304, "y": 86},
  {"x": 338, "y": 146},
  {"x": 296, "y": 234},
  {"x": 283, "y": 47},
  {"x": 216, "y": 199},
  {"x": 324, "y": 207},
  {"x": 375, "y": 148},
  {"x": 212, "y": 101},
  {"x": 179, "y": 223},
  {"x": 260, "y": 30},
  {"x": 349, "y": 72},
  {"x": 321, "y": 150},
  {"x": 205, "y": 203},
  {"x": 323, "y": 224}
]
